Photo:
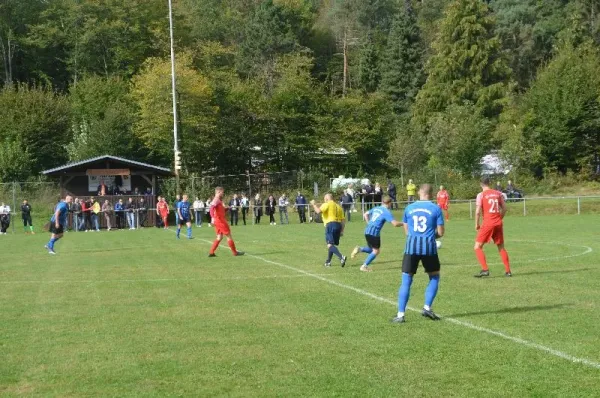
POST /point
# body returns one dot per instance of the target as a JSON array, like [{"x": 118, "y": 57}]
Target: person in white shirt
[
  {"x": 4, "y": 218},
  {"x": 350, "y": 192},
  {"x": 283, "y": 209},
  {"x": 199, "y": 209}
]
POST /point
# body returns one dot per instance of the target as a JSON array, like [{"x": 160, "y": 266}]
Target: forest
[{"x": 339, "y": 86}]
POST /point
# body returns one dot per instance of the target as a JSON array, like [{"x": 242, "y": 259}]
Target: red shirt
[
  {"x": 163, "y": 207},
  {"x": 443, "y": 198},
  {"x": 490, "y": 201},
  {"x": 217, "y": 212}
]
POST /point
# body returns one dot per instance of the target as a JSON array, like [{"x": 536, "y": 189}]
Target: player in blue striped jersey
[
  {"x": 423, "y": 223},
  {"x": 376, "y": 219},
  {"x": 184, "y": 216}
]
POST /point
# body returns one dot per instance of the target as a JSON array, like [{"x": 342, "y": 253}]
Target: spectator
[
  {"x": 4, "y": 218},
  {"x": 136, "y": 191},
  {"x": 377, "y": 194},
  {"x": 510, "y": 188},
  {"x": 77, "y": 218},
  {"x": 498, "y": 186},
  {"x": 283, "y": 209},
  {"x": 258, "y": 208},
  {"x": 270, "y": 206},
  {"x": 352, "y": 194},
  {"x": 411, "y": 191},
  {"x": 176, "y": 206},
  {"x": 26, "y": 216},
  {"x": 95, "y": 211},
  {"x": 245, "y": 207},
  {"x": 107, "y": 211},
  {"x": 347, "y": 201},
  {"x": 199, "y": 209},
  {"x": 369, "y": 192},
  {"x": 119, "y": 214},
  {"x": 301, "y": 206},
  {"x": 234, "y": 209},
  {"x": 102, "y": 188},
  {"x": 142, "y": 213},
  {"x": 130, "y": 207},
  {"x": 86, "y": 210},
  {"x": 208, "y": 204},
  {"x": 148, "y": 191},
  {"x": 391, "y": 191}
]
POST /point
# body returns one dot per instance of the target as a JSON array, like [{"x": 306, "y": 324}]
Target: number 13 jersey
[
  {"x": 490, "y": 201},
  {"x": 422, "y": 219}
]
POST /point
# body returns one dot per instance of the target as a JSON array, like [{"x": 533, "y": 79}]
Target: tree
[
  {"x": 14, "y": 161},
  {"x": 458, "y": 138},
  {"x": 402, "y": 75},
  {"x": 151, "y": 93},
  {"x": 102, "y": 119},
  {"x": 38, "y": 119},
  {"x": 368, "y": 66},
  {"x": 558, "y": 121},
  {"x": 467, "y": 65}
]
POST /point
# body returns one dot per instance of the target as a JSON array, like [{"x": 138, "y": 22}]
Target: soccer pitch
[{"x": 139, "y": 313}]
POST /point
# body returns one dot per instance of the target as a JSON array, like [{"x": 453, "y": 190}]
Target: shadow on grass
[
  {"x": 558, "y": 271},
  {"x": 511, "y": 310}
]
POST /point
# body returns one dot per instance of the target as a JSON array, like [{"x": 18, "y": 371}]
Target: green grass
[{"x": 137, "y": 313}]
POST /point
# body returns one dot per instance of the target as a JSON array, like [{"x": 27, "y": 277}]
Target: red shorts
[
  {"x": 443, "y": 206},
  {"x": 492, "y": 232},
  {"x": 163, "y": 215},
  {"x": 222, "y": 229}
]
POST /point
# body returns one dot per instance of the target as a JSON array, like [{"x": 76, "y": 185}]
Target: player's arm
[
  {"x": 477, "y": 216},
  {"x": 502, "y": 206},
  {"x": 440, "y": 231},
  {"x": 367, "y": 216},
  {"x": 56, "y": 218},
  {"x": 179, "y": 213},
  {"x": 397, "y": 223},
  {"x": 316, "y": 208}
]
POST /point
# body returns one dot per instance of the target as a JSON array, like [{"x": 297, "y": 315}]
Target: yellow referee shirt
[{"x": 332, "y": 212}]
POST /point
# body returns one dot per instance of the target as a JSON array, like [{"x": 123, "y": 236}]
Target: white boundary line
[
  {"x": 587, "y": 250},
  {"x": 468, "y": 325}
]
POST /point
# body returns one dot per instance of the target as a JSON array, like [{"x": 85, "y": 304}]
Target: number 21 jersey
[{"x": 490, "y": 201}]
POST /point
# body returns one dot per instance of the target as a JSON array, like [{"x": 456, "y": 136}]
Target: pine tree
[
  {"x": 402, "y": 75},
  {"x": 467, "y": 65},
  {"x": 368, "y": 67}
]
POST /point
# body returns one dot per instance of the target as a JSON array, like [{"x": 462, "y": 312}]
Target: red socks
[
  {"x": 231, "y": 244},
  {"x": 481, "y": 258},
  {"x": 214, "y": 246},
  {"x": 505, "y": 260}
]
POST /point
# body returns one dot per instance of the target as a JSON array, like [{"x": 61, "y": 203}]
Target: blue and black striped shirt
[{"x": 422, "y": 219}]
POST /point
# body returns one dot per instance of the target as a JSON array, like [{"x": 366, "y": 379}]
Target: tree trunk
[{"x": 345, "y": 50}]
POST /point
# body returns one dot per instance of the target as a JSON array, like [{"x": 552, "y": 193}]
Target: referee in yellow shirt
[{"x": 334, "y": 220}]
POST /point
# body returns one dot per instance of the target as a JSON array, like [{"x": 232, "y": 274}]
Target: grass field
[{"x": 138, "y": 313}]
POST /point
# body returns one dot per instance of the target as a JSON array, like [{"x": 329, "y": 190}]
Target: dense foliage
[{"x": 341, "y": 86}]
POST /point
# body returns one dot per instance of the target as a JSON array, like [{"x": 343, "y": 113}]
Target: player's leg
[
  {"x": 189, "y": 229},
  {"x": 432, "y": 267},
  {"x": 498, "y": 238},
  {"x": 362, "y": 249},
  {"x": 231, "y": 245},
  {"x": 25, "y": 226},
  {"x": 410, "y": 264},
  {"x": 374, "y": 245},
  {"x": 336, "y": 234},
  {"x": 483, "y": 236},
  {"x": 180, "y": 223},
  {"x": 215, "y": 244},
  {"x": 30, "y": 221}
]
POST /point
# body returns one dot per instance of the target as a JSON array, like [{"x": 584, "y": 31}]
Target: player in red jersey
[
  {"x": 162, "y": 210},
  {"x": 443, "y": 199},
  {"x": 217, "y": 214},
  {"x": 491, "y": 203}
]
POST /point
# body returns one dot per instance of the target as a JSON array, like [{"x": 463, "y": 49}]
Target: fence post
[
  {"x": 578, "y": 205},
  {"x": 14, "y": 209},
  {"x": 470, "y": 209},
  {"x": 524, "y": 208}
]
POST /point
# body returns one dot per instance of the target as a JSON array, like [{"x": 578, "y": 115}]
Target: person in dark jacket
[
  {"x": 245, "y": 202},
  {"x": 391, "y": 191},
  {"x": 119, "y": 214},
  {"x": 76, "y": 214},
  {"x": 270, "y": 207},
  {"x": 258, "y": 208},
  {"x": 142, "y": 213},
  {"x": 131, "y": 207},
  {"x": 234, "y": 209},
  {"x": 86, "y": 210},
  {"x": 26, "y": 215},
  {"x": 301, "y": 206},
  {"x": 347, "y": 205}
]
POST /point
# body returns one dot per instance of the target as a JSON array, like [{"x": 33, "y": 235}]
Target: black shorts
[
  {"x": 333, "y": 231},
  {"x": 374, "y": 242},
  {"x": 56, "y": 231},
  {"x": 184, "y": 220},
  {"x": 410, "y": 264}
]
